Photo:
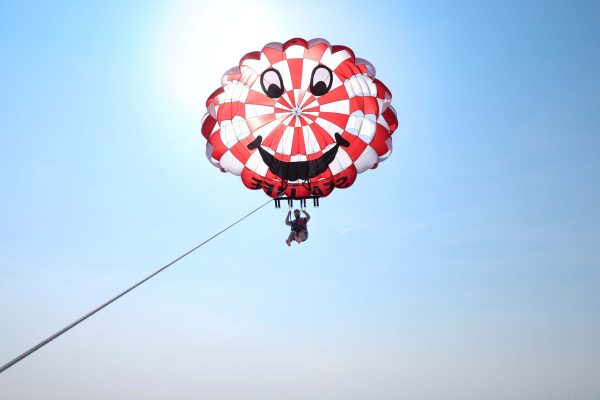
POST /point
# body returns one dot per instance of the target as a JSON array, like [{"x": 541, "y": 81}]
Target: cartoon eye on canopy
[{"x": 300, "y": 117}]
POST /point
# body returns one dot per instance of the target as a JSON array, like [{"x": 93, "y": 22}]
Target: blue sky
[{"x": 466, "y": 266}]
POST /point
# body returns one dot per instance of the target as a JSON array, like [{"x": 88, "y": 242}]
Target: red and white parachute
[{"x": 300, "y": 117}]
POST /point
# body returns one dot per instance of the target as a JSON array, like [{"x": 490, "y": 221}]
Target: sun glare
[{"x": 197, "y": 42}]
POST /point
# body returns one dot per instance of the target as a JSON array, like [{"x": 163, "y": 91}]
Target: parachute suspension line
[{"x": 123, "y": 293}]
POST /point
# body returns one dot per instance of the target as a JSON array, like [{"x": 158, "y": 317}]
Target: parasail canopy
[{"x": 300, "y": 118}]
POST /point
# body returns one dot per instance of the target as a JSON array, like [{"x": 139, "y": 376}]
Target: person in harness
[{"x": 299, "y": 231}]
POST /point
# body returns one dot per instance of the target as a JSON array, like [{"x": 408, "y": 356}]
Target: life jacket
[{"x": 299, "y": 225}]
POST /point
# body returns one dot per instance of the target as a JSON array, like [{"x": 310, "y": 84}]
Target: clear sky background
[{"x": 467, "y": 266}]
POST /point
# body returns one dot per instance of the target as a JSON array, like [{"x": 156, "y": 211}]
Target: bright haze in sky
[{"x": 466, "y": 266}]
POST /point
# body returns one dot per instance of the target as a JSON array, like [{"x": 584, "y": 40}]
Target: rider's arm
[
  {"x": 287, "y": 218},
  {"x": 307, "y": 216}
]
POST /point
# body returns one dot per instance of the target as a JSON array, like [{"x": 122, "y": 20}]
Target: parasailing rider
[{"x": 299, "y": 231}]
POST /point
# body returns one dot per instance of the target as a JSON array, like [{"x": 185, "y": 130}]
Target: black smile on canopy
[{"x": 298, "y": 170}]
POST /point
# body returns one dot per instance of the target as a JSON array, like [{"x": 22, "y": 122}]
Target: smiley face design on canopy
[{"x": 299, "y": 118}]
